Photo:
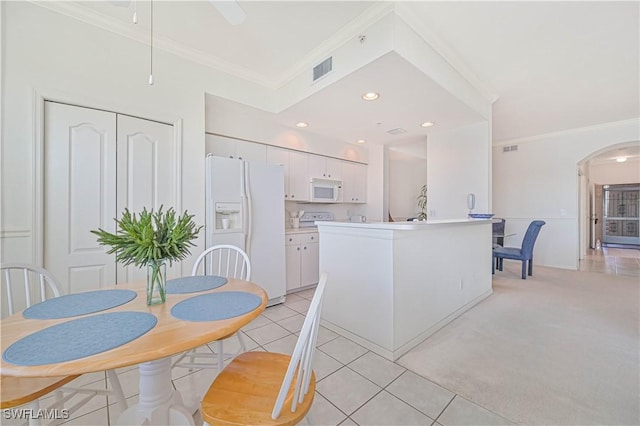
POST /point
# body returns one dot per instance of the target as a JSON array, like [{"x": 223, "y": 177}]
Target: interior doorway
[{"x": 615, "y": 165}]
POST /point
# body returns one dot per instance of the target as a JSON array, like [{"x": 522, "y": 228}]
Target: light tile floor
[
  {"x": 355, "y": 386},
  {"x": 614, "y": 261}
]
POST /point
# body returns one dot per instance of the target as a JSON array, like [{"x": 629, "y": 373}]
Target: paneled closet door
[
  {"x": 79, "y": 195},
  {"x": 145, "y": 174}
]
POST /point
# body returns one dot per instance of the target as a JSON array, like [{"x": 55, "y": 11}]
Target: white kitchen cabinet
[
  {"x": 302, "y": 259},
  {"x": 296, "y": 172},
  {"x": 235, "y": 148},
  {"x": 354, "y": 187},
  {"x": 325, "y": 167}
]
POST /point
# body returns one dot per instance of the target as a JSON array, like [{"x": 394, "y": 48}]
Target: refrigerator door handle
[{"x": 247, "y": 208}]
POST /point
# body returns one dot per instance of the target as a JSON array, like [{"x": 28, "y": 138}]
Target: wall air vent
[
  {"x": 508, "y": 148},
  {"x": 396, "y": 131},
  {"x": 323, "y": 68},
  {"x": 514, "y": 147}
]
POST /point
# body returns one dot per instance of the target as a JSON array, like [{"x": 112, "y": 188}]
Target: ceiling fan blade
[
  {"x": 120, "y": 3},
  {"x": 231, "y": 11}
]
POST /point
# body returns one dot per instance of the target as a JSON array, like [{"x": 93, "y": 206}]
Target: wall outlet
[{"x": 461, "y": 284}]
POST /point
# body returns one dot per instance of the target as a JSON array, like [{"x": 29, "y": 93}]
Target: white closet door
[
  {"x": 80, "y": 195},
  {"x": 146, "y": 173}
]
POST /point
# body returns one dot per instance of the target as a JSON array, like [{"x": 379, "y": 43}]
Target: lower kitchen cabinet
[{"x": 302, "y": 259}]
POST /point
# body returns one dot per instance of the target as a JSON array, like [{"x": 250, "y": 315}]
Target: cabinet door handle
[
  {"x": 298, "y": 248},
  {"x": 292, "y": 196},
  {"x": 312, "y": 238},
  {"x": 305, "y": 248},
  {"x": 290, "y": 239}
]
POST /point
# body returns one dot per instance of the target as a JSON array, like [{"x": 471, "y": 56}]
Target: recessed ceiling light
[
  {"x": 302, "y": 124},
  {"x": 360, "y": 141},
  {"x": 427, "y": 124},
  {"x": 370, "y": 96},
  {"x": 621, "y": 159}
]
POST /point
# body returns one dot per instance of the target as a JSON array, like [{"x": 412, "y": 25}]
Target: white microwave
[{"x": 325, "y": 191}]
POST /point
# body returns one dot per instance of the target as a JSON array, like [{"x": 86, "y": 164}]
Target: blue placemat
[
  {"x": 216, "y": 306},
  {"x": 194, "y": 284},
  {"x": 79, "y": 338},
  {"x": 72, "y": 305}
]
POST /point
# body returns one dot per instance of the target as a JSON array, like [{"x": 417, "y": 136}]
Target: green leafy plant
[
  {"x": 150, "y": 237},
  {"x": 422, "y": 202}
]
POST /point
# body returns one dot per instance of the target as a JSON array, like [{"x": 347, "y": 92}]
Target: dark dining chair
[
  {"x": 523, "y": 254},
  {"x": 498, "y": 228}
]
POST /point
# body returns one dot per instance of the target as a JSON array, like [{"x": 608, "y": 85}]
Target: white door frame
[{"x": 38, "y": 99}]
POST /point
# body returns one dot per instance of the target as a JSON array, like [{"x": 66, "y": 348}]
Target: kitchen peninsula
[{"x": 391, "y": 285}]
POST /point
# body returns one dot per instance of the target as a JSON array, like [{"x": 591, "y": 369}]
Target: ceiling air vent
[
  {"x": 396, "y": 131},
  {"x": 323, "y": 68}
]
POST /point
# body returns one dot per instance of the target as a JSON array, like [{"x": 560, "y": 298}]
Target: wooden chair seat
[
  {"x": 15, "y": 391},
  {"x": 245, "y": 392}
]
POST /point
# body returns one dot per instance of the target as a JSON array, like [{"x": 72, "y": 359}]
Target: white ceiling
[{"x": 553, "y": 65}]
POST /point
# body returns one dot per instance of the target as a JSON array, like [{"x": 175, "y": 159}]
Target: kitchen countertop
[
  {"x": 304, "y": 230},
  {"x": 415, "y": 225}
]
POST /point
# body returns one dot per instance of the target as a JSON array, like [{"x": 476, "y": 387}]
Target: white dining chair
[
  {"x": 20, "y": 283},
  {"x": 267, "y": 388},
  {"x": 226, "y": 261}
]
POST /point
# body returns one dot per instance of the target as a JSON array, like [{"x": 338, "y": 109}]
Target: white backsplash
[{"x": 340, "y": 211}]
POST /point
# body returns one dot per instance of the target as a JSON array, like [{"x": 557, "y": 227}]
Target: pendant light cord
[{"x": 151, "y": 62}]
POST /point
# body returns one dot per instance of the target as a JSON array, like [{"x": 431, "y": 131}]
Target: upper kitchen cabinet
[
  {"x": 325, "y": 167},
  {"x": 235, "y": 148},
  {"x": 296, "y": 172},
  {"x": 354, "y": 182}
]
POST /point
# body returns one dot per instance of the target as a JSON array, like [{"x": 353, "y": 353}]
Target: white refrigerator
[{"x": 245, "y": 208}]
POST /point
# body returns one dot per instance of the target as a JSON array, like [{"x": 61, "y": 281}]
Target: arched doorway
[{"x": 604, "y": 168}]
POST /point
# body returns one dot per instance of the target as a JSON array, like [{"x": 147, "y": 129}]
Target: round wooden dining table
[{"x": 158, "y": 402}]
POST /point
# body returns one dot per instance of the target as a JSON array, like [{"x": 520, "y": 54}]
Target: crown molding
[
  {"x": 568, "y": 132},
  {"x": 411, "y": 18},
  {"x": 354, "y": 28},
  {"x": 76, "y": 11}
]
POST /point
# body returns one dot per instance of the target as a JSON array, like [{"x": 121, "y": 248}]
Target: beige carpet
[{"x": 561, "y": 348}]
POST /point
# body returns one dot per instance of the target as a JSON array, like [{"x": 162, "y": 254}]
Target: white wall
[
  {"x": 65, "y": 59},
  {"x": 615, "y": 173},
  {"x": 377, "y": 190},
  {"x": 540, "y": 181},
  {"x": 407, "y": 174},
  {"x": 458, "y": 163}
]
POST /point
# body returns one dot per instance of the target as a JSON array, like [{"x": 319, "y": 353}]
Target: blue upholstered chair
[{"x": 523, "y": 254}]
